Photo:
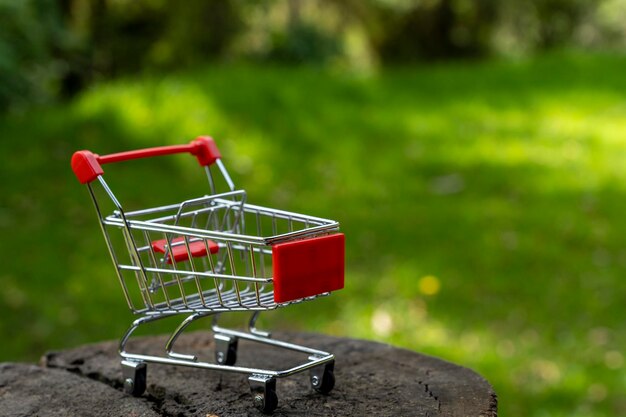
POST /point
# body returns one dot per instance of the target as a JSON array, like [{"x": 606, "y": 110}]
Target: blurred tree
[
  {"x": 607, "y": 26},
  {"x": 419, "y": 29},
  {"x": 304, "y": 41},
  {"x": 59, "y": 46},
  {"x": 536, "y": 25},
  {"x": 559, "y": 19},
  {"x": 197, "y": 30},
  {"x": 33, "y": 42},
  {"x": 129, "y": 36}
]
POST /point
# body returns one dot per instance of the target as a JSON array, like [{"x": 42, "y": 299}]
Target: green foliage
[
  {"x": 31, "y": 39},
  {"x": 50, "y": 49},
  {"x": 482, "y": 204},
  {"x": 437, "y": 29},
  {"x": 130, "y": 36},
  {"x": 304, "y": 44}
]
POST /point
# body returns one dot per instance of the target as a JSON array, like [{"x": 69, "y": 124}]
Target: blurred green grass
[{"x": 482, "y": 203}]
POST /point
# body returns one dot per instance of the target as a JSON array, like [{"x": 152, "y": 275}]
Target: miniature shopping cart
[{"x": 213, "y": 254}]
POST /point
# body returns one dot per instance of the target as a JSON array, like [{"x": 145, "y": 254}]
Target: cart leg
[
  {"x": 263, "y": 389},
  {"x": 323, "y": 377},
  {"x": 134, "y": 374},
  {"x": 170, "y": 343},
  {"x": 225, "y": 349},
  {"x": 252, "y": 326}
]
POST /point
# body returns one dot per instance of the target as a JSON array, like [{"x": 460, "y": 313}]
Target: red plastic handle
[{"x": 88, "y": 166}]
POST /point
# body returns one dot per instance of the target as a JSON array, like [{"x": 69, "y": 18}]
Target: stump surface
[
  {"x": 372, "y": 379},
  {"x": 30, "y": 390}
]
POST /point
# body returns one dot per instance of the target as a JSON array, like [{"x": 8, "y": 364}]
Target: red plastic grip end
[
  {"x": 205, "y": 149},
  {"x": 308, "y": 267},
  {"x": 86, "y": 166}
]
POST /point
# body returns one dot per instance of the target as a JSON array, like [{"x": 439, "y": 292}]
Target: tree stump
[{"x": 372, "y": 379}]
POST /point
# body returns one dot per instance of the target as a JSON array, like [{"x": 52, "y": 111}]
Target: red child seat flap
[{"x": 179, "y": 249}]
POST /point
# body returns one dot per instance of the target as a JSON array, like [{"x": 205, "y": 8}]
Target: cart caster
[
  {"x": 225, "y": 349},
  {"x": 323, "y": 378},
  {"x": 134, "y": 374},
  {"x": 263, "y": 389}
]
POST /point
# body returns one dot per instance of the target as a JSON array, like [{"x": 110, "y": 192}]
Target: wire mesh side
[{"x": 208, "y": 253}]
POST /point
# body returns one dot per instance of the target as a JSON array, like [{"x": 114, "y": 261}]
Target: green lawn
[{"x": 483, "y": 205}]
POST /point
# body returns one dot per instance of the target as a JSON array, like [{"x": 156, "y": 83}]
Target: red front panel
[{"x": 308, "y": 267}]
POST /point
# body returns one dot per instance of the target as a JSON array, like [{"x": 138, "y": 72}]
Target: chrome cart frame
[{"x": 214, "y": 254}]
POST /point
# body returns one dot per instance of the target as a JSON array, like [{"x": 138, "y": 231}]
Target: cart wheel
[
  {"x": 134, "y": 374},
  {"x": 263, "y": 390},
  {"x": 266, "y": 403},
  {"x": 323, "y": 378},
  {"x": 225, "y": 349}
]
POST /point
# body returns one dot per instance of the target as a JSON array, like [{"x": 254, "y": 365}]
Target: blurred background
[{"x": 472, "y": 151}]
